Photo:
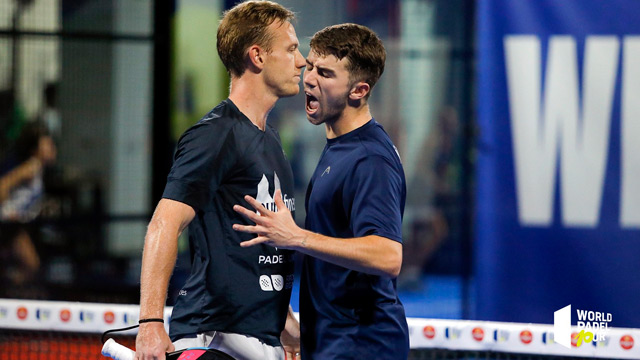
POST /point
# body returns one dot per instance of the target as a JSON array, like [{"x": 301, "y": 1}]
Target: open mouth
[{"x": 312, "y": 103}]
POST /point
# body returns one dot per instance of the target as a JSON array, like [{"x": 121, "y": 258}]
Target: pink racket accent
[{"x": 191, "y": 354}]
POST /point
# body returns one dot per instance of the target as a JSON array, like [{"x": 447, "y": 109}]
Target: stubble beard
[{"x": 332, "y": 114}]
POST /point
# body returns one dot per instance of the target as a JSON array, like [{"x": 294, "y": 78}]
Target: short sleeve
[
  {"x": 378, "y": 192},
  {"x": 200, "y": 160}
]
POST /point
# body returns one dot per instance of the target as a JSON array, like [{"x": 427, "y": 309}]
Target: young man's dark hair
[{"x": 359, "y": 45}]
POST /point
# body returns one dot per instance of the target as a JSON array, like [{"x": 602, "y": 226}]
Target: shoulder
[
  {"x": 272, "y": 131},
  {"x": 375, "y": 143},
  {"x": 217, "y": 124}
]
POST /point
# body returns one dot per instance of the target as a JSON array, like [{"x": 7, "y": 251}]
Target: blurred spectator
[{"x": 21, "y": 193}]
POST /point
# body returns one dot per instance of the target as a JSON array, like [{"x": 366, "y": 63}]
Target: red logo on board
[
  {"x": 65, "y": 315},
  {"x": 22, "y": 313},
  {"x": 478, "y": 334},
  {"x": 526, "y": 336},
  {"x": 429, "y": 332},
  {"x": 626, "y": 342},
  {"x": 109, "y": 317}
]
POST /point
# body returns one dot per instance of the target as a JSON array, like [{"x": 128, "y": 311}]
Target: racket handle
[{"x": 116, "y": 351}]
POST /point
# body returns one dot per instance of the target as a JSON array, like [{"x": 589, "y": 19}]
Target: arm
[
  {"x": 158, "y": 259},
  {"x": 370, "y": 254},
  {"x": 290, "y": 337},
  {"x": 22, "y": 172}
]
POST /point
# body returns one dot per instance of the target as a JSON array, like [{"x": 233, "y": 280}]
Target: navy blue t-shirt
[
  {"x": 231, "y": 289},
  {"x": 357, "y": 189}
]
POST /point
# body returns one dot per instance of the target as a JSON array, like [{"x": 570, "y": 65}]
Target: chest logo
[
  {"x": 275, "y": 282},
  {"x": 266, "y": 199},
  {"x": 326, "y": 171}
]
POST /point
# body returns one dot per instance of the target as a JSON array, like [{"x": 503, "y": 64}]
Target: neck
[
  {"x": 350, "y": 119},
  {"x": 252, "y": 98}
]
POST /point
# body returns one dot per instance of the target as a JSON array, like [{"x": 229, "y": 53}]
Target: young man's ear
[
  {"x": 359, "y": 91},
  {"x": 256, "y": 57}
]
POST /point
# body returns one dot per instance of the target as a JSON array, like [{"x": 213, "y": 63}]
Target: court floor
[{"x": 435, "y": 296}]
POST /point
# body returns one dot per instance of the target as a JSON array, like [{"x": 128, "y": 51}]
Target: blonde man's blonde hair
[{"x": 245, "y": 25}]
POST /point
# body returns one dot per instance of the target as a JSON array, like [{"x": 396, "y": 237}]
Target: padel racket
[{"x": 119, "y": 352}]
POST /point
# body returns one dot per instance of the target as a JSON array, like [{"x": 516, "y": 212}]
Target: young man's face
[
  {"x": 283, "y": 65},
  {"x": 326, "y": 87}
]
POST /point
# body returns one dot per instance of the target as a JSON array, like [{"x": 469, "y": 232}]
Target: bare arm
[
  {"x": 158, "y": 259},
  {"x": 25, "y": 171},
  {"x": 290, "y": 337},
  {"x": 369, "y": 254}
]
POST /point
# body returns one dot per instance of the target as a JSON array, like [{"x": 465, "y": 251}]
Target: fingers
[
  {"x": 256, "y": 241},
  {"x": 252, "y": 229},
  {"x": 263, "y": 211},
  {"x": 152, "y": 356},
  {"x": 277, "y": 197},
  {"x": 256, "y": 205},
  {"x": 291, "y": 355},
  {"x": 152, "y": 343},
  {"x": 251, "y": 215}
]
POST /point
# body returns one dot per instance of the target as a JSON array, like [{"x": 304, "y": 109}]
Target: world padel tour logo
[
  {"x": 86, "y": 316},
  {"x": 43, "y": 314},
  {"x": 592, "y": 326},
  {"x": 500, "y": 335}
]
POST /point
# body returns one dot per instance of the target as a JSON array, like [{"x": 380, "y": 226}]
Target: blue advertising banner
[{"x": 558, "y": 170}]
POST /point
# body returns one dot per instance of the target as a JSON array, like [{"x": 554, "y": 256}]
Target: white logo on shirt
[
  {"x": 275, "y": 282},
  {"x": 326, "y": 171},
  {"x": 266, "y": 199},
  {"x": 397, "y": 153}
]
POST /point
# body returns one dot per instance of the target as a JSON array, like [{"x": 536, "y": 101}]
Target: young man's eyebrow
[{"x": 320, "y": 68}]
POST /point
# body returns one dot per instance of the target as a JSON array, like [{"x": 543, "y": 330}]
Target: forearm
[
  {"x": 23, "y": 172},
  {"x": 292, "y": 326},
  {"x": 159, "y": 256},
  {"x": 371, "y": 254},
  {"x": 158, "y": 260}
]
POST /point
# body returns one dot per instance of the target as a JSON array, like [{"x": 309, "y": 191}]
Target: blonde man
[{"x": 234, "y": 300}]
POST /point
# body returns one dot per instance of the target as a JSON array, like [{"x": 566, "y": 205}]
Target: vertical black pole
[{"x": 161, "y": 121}]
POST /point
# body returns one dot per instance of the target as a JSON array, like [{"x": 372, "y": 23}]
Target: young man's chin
[{"x": 313, "y": 119}]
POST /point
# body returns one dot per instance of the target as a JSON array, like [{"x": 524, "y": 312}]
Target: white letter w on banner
[{"x": 559, "y": 120}]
